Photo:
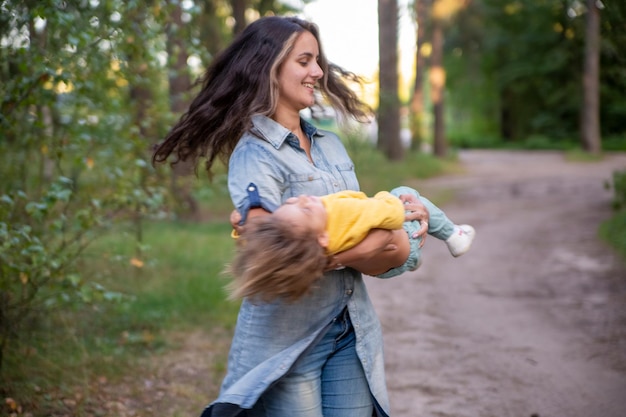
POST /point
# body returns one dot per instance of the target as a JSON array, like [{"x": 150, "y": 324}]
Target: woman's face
[{"x": 298, "y": 74}]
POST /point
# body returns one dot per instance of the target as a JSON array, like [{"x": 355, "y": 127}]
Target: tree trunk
[
  {"x": 210, "y": 25},
  {"x": 141, "y": 78},
  {"x": 507, "y": 128},
  {"x": 46, "y": 165},
  {"x": 179, "y": 84},
  {"x": 179, "y": 80},
  {"x": 265, "y": 6},
  {"x": 417, "y": 101},
  {"x": 140, "y": 85},
  {"x": 590, "y": 113},
  {"x": 239, "y": 13},
  {"x": 389, "y": 102},
  {"x": 437, "y": 87}
]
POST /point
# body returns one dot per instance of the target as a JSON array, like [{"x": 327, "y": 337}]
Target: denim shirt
[{"x": 269, "y": 337}]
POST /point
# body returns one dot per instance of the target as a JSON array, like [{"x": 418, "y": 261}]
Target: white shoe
[{"x": 461, "y": 239}]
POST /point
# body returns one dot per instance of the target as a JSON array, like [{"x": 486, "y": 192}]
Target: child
[{"x": 284, "y": 253}]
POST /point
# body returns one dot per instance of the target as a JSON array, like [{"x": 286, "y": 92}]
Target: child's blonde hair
[{"x": 275, "y": 259}]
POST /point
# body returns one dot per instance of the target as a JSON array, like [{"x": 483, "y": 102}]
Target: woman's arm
[{"x": 380, "y": 251}]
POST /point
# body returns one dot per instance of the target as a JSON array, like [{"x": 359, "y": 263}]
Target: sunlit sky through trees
[{"x": 349, "y": 31}]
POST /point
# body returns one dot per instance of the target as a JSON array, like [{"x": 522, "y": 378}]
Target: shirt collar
[{"x": 275, "y": 133}]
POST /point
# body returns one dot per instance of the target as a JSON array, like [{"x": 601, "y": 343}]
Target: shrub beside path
[{"x": 531, "y": 321}]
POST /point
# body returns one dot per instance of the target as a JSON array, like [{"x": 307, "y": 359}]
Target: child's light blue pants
[{"x": 439, "y": 226}]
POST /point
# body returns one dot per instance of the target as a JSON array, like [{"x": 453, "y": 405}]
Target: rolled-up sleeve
[{"x": 253, "y": 163}]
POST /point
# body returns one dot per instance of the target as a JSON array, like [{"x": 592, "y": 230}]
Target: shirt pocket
[
  {"x": 347, "y": 174},
  {"x": 309, "y": 183}
]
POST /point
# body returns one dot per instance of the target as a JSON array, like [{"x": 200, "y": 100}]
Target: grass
[
  {"x": 178, "y": 286},
  {"x": 578, "y": 155},
  {"x": 613, "y": 231}
]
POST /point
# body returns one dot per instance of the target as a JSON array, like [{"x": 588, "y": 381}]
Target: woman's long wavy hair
[{"x": 241, "y": 82}]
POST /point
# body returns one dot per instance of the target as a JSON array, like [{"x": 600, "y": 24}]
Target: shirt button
[{"x": 349, "y": 292}]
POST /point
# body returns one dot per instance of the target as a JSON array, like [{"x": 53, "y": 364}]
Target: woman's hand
[{"x": 416, "y": 210}]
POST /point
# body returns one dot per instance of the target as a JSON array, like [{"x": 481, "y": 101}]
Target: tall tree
[
  {"x": 421, "y": 11},
  {"x": 140, "y": 66},
  {"x": 389, "y": 102},
  {"x": 590, "y": 112},
  {"x": 239, "y": 13},
  {"x": 212, "y": 31},
  {"x": 179, "y": 84},
  {"x": 437, "y": 83},
  {"x": 442, "y": 12}
]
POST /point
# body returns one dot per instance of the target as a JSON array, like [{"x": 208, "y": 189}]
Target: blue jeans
[{"x": 327, "y": 381}]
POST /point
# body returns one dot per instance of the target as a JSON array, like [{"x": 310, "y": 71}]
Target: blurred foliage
[
  {"x": 618, "y": 185},
  {"x": 71, "y": 158},
  {"x": 613, "y": 231},
  {"x": 389, "y": 175},
  {"x": 515, "y": 73}
]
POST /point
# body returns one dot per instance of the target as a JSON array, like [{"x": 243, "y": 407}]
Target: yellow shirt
[{"x": 352, "y": 214}]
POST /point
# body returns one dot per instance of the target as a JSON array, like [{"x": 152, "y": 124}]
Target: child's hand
[
  {"x": 235, "y": 218},
  {"x": 423, "y": 232},
  {"x": 415, "y": 210}
]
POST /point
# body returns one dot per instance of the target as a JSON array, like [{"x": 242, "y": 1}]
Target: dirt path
[{"x": 531, "y": 322}]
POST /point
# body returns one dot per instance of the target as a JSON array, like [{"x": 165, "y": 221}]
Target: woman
[{"x": 320, "y": 356}]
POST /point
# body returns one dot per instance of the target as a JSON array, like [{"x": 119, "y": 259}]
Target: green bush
[
  {"x": 614, "y": 143},
  {"x": 618, "y": 185},
  {"x": 39, "y": 242},
  {"x": 614, "y": 229},
  {"x": 72, "y": 161}
]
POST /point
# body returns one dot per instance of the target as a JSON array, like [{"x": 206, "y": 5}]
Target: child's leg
[{"x": 439, "y": 225}]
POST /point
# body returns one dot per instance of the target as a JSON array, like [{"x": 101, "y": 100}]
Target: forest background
[{"x": 102, "y": 255}]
